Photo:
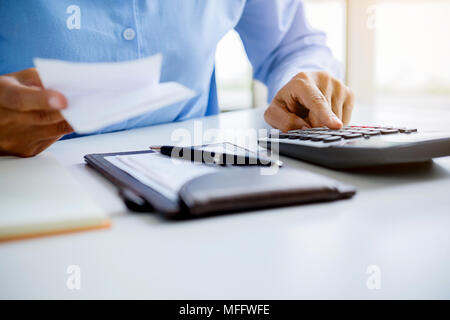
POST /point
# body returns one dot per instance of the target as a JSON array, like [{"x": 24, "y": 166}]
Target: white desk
[{"x": 399, "y": 221}]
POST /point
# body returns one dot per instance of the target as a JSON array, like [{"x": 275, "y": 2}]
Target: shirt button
[{"x": 129, "y": 34}]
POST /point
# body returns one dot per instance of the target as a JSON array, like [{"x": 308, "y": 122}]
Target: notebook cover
[
  {"x": 248, "y": 189},
  {"x": 229, "y": 190},
  {"x": 122, "y": 180}
]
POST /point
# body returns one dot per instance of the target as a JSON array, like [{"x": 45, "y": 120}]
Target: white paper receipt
[
  {"x": 161, "y": 173},
  {"x": 102, "y": 94}
]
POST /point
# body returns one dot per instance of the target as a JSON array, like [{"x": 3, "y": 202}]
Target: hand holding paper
[{"x": 102, "y": 94}]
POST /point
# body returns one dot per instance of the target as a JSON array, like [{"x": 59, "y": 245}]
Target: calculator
[{"x": 360, "y": 146}]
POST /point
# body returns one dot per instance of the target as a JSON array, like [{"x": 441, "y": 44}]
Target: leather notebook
[{"x": 216, "y": 190}]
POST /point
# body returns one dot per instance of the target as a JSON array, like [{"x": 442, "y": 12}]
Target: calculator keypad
[{"x": 326, "y": 135}]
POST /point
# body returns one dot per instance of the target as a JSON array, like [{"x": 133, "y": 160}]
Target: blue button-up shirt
[{"x": 277, "y": 38}]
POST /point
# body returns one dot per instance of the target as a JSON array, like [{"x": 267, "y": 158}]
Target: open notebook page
[{"x": 161, "y": 173}]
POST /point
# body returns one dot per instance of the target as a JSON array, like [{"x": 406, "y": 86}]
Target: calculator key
[
  {"x": 352, "y": 132},
  {"x": 296, "y": 131},
  {"x": 279, "y": 136},
  {"x": 332, "y": 139},
  {"x": 389, "y": 131},
  {"x": 371, "y": 133},
  {"x": 353, "y": 136},
  {"x": 316, "y": 137},
  {"x": 339, "y": 133},
  {"x": 320, "y": 137},
  {"x": 404, "y": 130}
]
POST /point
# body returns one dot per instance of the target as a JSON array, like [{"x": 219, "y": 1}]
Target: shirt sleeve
[{"x": 280, "y": 43}]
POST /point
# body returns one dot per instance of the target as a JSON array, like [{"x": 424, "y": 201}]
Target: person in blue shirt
[{"x": 289, "y": 56}]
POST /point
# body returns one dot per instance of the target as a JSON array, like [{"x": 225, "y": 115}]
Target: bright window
[
  {"x": 391, "y": 48},
  {"x": 413, "y": 47},
  {"x": 233, "y": 74},
  {"x": 329, "y": 16}
]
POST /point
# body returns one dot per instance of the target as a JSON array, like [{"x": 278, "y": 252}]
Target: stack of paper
[
  {"x": 46, "y": 200},
  {"x": 102, "y": 94}
]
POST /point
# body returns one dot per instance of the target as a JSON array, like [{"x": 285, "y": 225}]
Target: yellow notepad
[{"x": 38, "y": 197}]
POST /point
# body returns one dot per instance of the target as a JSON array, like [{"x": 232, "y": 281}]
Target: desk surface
[{"x": 399, "y": 221}]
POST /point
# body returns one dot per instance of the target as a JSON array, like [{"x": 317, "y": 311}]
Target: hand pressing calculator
[{"x": 360, "y": 146}]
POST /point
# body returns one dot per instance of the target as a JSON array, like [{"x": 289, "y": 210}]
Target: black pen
[{"x": 212, "y": 157}]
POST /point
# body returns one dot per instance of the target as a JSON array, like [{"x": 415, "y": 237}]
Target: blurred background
[{"x": 394, "y": 52}]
